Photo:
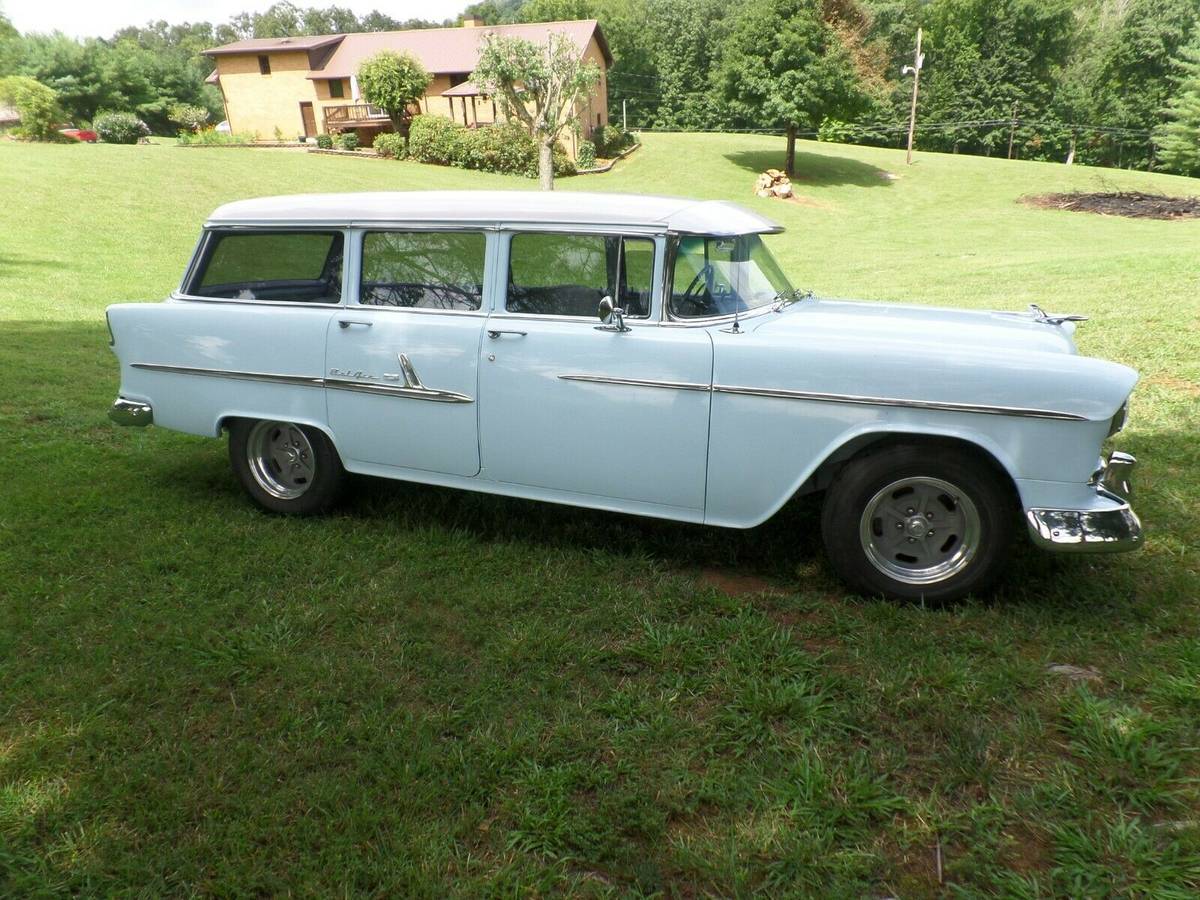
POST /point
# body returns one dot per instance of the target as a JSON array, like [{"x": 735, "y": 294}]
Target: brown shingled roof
[
  {"x": 440, "y": 50},
  {"x": 267, "y": 45}
]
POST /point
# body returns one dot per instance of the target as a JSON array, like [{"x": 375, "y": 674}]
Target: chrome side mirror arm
[{"x": 612, "y": 316}]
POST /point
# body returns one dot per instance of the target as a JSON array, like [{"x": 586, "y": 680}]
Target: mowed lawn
[{"x": 433, "y": 692}]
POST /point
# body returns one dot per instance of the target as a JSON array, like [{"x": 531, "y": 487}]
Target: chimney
[{"x": 472, "y": 22}]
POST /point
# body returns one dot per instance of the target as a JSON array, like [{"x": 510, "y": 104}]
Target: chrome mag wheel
[
  {"x": 281, "y": 459},
  {"x": 920, "y": 530}
]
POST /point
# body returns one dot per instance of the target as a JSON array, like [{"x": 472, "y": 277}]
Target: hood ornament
[{"x": 1040, "y": 315}]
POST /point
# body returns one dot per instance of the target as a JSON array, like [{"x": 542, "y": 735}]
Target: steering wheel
[{"x": 701, "y": 308}]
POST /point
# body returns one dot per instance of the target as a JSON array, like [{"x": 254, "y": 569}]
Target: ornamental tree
[
  {"x": 539, "y": 86},
  {"x": 393, "y": 82}
]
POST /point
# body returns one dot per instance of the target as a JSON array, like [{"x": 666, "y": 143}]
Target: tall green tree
[
  {"x": 785, "y": 66},
  {"x": 539, "y": 86},
  {"x": 1178, "y": 138}
]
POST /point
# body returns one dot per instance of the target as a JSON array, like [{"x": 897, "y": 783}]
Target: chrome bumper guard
[
  {"x": 131, "y": 412},
  {"x": 1093, "y": 531}
]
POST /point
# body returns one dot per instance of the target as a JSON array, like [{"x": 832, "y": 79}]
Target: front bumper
[
  {"x": 131, "y": 412},
  {"x": 1112, "y": 527}
]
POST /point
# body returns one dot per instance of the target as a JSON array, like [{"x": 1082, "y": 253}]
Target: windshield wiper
[{"x": 788, "y": 297}]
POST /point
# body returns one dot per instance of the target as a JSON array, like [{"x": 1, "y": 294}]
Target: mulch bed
[{"x": 1133, "y": 204}]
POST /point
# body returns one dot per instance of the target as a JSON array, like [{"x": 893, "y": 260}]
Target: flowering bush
[{"x": 120, "y": 128}]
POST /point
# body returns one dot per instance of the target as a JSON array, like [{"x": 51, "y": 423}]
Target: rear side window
[
  {"x": 423, "y": 269},
  {"x": 569, "y": 274},
  {"x": 294, "y": 266}
]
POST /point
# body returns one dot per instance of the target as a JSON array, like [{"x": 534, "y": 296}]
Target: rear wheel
[
  {"x": 914, "y": 522},
  {"x": 285, "y": 467}
]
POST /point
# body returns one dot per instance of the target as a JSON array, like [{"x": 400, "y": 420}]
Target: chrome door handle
[
  {"x": 495, "y": 333},
  {"x": 346, "y": 323}
]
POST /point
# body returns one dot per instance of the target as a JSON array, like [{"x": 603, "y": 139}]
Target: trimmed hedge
[
  {"x": 325, "y": 141},
  {"x": 506, "y": 148},
  {"x": 347, "y": 141}
]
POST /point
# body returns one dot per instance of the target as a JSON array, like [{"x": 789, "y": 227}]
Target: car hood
[
  {"x": 923, "y": 354},
  {"x": 894, "y": 323}
]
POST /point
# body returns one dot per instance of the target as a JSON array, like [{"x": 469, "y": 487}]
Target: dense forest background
[{"x": 1106, "y": 82}]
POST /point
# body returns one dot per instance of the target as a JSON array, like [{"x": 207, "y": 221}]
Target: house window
[
  {"x": 264, "y": 65},
  {"x": 337, "y": 89}
]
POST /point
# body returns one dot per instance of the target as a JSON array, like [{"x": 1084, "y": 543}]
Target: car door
[
  {"x": 570, "y": 405},
  {"x": 402, "y": 359}
]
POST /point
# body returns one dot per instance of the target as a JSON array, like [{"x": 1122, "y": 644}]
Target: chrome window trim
[
  {"x": 504, "y": 271},
  {"x": 589, "y": 320},
  {"x": 192, "y": 298},
  {"x": 360, "y": 233},
  {"x": 333, "y": 382},
  {"x": 209, "y": 230}
]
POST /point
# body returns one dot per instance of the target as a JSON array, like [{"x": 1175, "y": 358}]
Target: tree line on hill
[{"x": 1106, "y": 82}]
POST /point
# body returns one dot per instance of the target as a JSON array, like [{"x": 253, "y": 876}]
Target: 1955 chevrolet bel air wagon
[{"x": 452, "y": 339}]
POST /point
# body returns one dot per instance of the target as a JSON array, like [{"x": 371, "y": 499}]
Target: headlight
[{"x": 1119, "y": 419}]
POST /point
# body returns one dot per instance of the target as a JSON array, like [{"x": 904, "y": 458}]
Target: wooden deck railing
[{"x": 351, "y": 114}]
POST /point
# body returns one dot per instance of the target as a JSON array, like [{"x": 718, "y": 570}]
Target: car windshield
[{"x": 721, "y": 276}]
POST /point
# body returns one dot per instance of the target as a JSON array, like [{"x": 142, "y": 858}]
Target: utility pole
[
  {"x": 1012, "y": 130},
  {"x": 624, "y": 119},
  {"x": 915, "y": 71}
]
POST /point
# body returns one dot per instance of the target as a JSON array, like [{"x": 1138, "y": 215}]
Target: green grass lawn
[{"x": 435, "y": 692}]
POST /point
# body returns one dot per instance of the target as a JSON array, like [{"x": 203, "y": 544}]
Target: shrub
[
  {"x": 120, "y": 128},
  {"x": 586, "y": 158},
  {"x": 434, "y": 139},
  {"x": 37, "y": 105},
  {"x": 347, "y": 141},
  {"x": 188, "y": 117},
  {"x": 506, "y": 148},
  {"x": 611, "y": 140},
  {"x": 325, "y": 141},
  {"x": 390, "y": 145}
]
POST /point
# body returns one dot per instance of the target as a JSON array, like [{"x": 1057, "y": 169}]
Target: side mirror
[{"x": 612, "y": 316}]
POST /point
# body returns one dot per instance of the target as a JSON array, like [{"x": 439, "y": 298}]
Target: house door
[{"x": 310, "y": 120}]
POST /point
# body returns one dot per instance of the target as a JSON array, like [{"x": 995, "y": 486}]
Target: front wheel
[
  {"x": 918, "y": 522},
  {"x": 285, "y": 467}
]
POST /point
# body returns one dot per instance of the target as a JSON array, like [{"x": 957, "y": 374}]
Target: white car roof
[{"x": 495, "y": 208}]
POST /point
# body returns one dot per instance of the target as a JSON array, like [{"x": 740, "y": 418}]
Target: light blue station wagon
[{"x": 644, "y": 355}]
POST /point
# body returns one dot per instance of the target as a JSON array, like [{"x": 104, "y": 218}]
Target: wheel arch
[
  {"x": 856, "y": 444},
  {"x": 224, "y": 420}
]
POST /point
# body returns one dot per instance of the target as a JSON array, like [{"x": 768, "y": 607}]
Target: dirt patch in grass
[
  {"x": 737, "y": 584},
  {"x": 1132, "y": 204},
  {"x": 1175, "y": 384}
]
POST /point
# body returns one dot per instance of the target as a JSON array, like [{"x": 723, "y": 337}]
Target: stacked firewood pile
[{"x": 773, "y": 183}]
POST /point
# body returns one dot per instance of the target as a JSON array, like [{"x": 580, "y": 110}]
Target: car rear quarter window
[
  {"x": 568, "y": 274},
  {"x": 423, "y": 269},
  {"x": 292, "y": 266}
]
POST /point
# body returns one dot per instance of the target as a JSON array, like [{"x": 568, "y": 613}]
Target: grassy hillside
[{"x": 433, "y": 692}]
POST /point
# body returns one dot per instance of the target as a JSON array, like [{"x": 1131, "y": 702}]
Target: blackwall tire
[
  {"x": 920, "y": 522},
  {"x": 285, "y": 467}
]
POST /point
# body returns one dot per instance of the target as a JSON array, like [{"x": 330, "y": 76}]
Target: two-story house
[{"x": 303, "y": 86}]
